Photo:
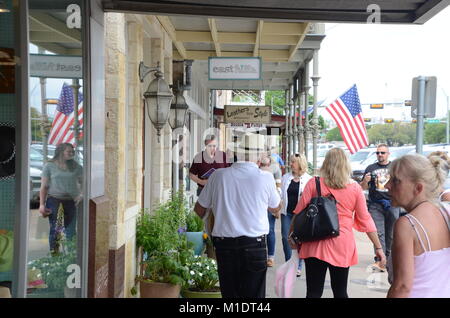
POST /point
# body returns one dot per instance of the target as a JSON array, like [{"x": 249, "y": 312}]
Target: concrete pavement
[{"x": 362, "y": 282}]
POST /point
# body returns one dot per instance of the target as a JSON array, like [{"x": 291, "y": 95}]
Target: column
[{"x": 315, "y": 127}]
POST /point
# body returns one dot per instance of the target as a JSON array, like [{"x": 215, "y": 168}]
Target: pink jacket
[{"x": 352, "y": 213}]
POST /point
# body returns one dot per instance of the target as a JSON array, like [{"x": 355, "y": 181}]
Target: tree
[
  {"x": 434, "y": 133},
  {"x": 395, "y": 134},
  {"x": 334, "y": 135},
  {"x": 36, "y": 133},
  {"x": 277, "y": 99},
  {"x": 320, "y": 121}
]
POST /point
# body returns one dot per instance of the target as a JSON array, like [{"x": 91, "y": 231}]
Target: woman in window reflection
[{"x": 60, "y": 194}]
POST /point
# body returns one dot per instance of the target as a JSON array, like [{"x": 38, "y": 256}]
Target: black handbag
[{"x": 319, "y": 220}]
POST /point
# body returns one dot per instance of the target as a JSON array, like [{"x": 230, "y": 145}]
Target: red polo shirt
[{"x": 202, "y": 163}]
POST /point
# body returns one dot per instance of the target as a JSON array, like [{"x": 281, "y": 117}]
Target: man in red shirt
[{"x": 206, "y": 162}]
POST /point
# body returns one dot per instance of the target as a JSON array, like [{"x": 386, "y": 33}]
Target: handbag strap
[{"x": 319, "y": 194}]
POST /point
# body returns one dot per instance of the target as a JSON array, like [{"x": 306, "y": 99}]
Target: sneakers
[
  {"x": 299, "y": 272},
  {"x": 270, "y": 262},
  {"x": 377, "y": 267}
]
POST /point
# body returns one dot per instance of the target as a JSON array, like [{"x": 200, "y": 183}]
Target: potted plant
[
  {"x": 203, "y": 278},
  {"x": 53, "y": 273},
  {"x": 194, "y": 232},
  {"x": 164, "y": 250}
]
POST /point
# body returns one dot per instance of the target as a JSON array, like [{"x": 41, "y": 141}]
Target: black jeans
[
  {"x": 242, "y": 266},
  {"x": 316, "y": 270}
]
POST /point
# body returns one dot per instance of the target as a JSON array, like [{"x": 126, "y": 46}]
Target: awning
[{"x": 392, "y": 11}]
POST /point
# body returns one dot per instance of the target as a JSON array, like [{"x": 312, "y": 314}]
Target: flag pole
[
  {"x": 44, "y": 116},
  {"x": 75, "y": 87}
]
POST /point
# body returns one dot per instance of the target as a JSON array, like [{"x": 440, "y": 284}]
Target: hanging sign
[
  {"x": 56, "y": 66},
  {"x": 234, "y": 68},
  {"x": 248, "y": 114}
]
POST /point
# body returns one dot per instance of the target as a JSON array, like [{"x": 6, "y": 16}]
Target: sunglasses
[
  {"x": 380, "y": 152},
  {"x": 297, "y": 155}
]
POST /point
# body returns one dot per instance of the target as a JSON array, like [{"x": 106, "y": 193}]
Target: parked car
[
  {"x": 360, "y": 156},
  {"x": 35, "y": 186},
  {"x": 40, "y": 147}
]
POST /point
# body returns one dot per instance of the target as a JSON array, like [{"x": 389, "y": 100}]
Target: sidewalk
[{"x": 362, "y": 282}]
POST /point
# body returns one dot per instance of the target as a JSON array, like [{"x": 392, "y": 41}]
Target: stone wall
[{"x": 130, "y": 39}]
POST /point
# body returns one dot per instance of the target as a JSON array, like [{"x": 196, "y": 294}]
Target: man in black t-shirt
[{"x": 375, "y": 179}]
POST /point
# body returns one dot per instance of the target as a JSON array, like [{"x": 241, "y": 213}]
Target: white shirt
[
  {"x": 239, "y": 197},
  {"x": 285, "y": 182}
]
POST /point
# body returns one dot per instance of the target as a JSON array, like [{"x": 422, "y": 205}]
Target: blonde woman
[
  {"x": 421, "y": 246},
  {"x": 338, "y": 253},
  {"x": 445, "y": 194},
  {"x": 292, "y": 186}
]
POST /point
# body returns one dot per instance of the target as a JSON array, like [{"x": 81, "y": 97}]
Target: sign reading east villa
[
  {"x": 234, "y": 68},
  {"x": 248, "y": 114},
  {"x": 56, "y": 66}
]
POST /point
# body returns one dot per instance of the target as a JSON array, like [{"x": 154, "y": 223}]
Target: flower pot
[
  {"x": 159, "y": 290},
  {"x": 186, "y": 293},
  {"x": 197, "y": 239}
]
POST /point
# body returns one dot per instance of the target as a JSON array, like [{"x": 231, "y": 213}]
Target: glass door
[{"x": 56, "y": 149}]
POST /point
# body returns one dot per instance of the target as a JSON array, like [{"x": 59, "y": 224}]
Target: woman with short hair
[
  {"x": 421, "y": 246},
  {"x": 337, "y": 253}
]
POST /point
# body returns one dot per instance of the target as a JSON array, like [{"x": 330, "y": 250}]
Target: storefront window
[
  {"x": 56, "y": 148},
  {"x": 7, "y": 146}
]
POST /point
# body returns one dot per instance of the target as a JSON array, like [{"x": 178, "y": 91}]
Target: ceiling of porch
[{"x": 284, "y": 47}]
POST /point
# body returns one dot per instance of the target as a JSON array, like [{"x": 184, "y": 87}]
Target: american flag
[
  {"x": 347, "y": 113},
  {"x": 62, "y": 126}
]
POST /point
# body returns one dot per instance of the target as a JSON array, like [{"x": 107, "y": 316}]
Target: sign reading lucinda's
[
  {"x": 234, "y": 68},
  {"x": 248, "y": 114}
]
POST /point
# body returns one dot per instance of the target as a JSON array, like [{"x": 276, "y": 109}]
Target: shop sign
[
  {"x": 56, "y": 66},
  {"x": 234, "y": 68},
  {"x": 248, "y": 114}
]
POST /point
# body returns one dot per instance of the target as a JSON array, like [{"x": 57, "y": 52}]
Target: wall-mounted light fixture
[
  {"x": 178, "y": 110},
  {"x": 3, "y": 7},
  {"x": 157, "y": 97},
  {"x": 182, "y": 81}
]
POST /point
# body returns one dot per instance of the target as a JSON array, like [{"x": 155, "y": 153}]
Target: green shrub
[{"x": 194, "y": 223}]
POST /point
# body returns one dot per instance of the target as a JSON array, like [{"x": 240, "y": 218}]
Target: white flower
[
  {"x": 200, "y": 274},
  {"x": 207, "y": 268},
  {"x": 192, "y": 272}
]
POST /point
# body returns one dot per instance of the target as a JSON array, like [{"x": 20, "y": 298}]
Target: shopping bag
[{"x": 285, "y": 277}]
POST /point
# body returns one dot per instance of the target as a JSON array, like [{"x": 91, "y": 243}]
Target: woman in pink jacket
[{"x": 338, "y": 253}]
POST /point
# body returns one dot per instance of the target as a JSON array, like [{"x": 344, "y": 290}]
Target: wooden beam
[
  {"x": 275, "y": 55},
  {"x": 279, "y": 39},
  {"x": 49, "y": 37},
  {"x": 213, "y": 28},
  {"x": 194, "y": 36},
  {"x": 283, "y": 28},
  {"x": 56, "y": 26},
  {"x": 294, "y": 48},
  {"x": 237, "y": 37},
  {"x": 52, "y": 47},
  {"x": 258, "y": 38},
  {"x": 170, "y": 29}
]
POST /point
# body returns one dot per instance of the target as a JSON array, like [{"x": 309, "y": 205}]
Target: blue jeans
[
  {"x": 69, "y": 219},
  {"x": 384, "y": 222},
  {"x": 242, "y": 266}
]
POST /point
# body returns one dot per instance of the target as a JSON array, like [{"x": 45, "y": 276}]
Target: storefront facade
[{"x": 82, "y": 58}]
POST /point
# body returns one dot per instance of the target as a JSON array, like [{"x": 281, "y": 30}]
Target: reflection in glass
[{"x": 56, "y": 149}]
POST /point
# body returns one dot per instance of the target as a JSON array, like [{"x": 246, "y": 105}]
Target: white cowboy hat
[{"x": 252, "y": 143}]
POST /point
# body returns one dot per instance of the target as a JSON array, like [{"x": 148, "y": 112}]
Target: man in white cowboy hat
[{"x": 239, "y": 198}]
